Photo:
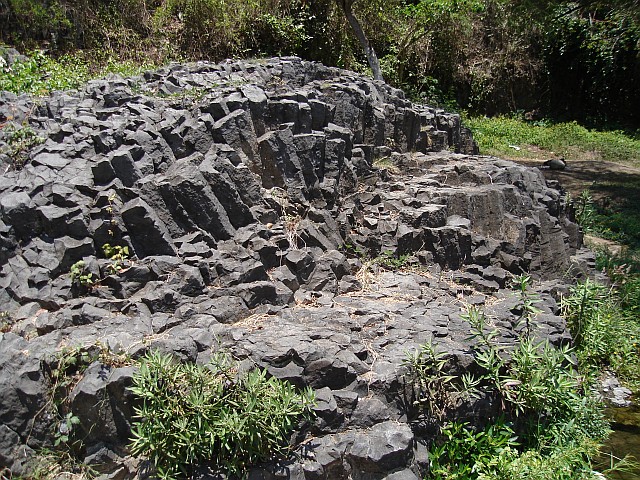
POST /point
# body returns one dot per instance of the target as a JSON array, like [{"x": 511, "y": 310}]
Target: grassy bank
[
  {"x": 40, "y": 74},
  {"x": 513, "y": 137}
]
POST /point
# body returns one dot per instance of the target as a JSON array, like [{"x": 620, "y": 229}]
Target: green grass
[
  {"x": 498, "y": 136},
  {"x": 189, "y": 414},
  {"x": 617, "y": 212},
  {"x": 41, "y": 74},
  {"x": 605, "y": 322},
  {"x": 605, "y": 327}
]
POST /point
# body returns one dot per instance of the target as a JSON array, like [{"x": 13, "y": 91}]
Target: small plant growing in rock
[
  {"x": 390, "y": 261},
  {"x": 118, "y": 256},
  {"x": 110, "y": 210},
  {"x": 66, "y": 369},
  {"x": 65, "y": 429},
  {"x": 19, "y": 141},
  {"x": 387, "y": 164},
  {"x": 80, "y": 276},
  {"x": 433, "y": 390},
  {"x": 527, "y": 305},
  {"x": 6, "y": 322},
  {"x": 212, "y": 414}
]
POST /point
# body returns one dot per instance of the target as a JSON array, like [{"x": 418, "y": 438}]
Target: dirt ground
[{"x": 604, "y": 179}]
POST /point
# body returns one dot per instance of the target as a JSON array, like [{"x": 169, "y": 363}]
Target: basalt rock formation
[{"x": 249, "y": 196}]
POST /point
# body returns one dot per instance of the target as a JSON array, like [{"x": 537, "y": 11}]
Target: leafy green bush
[
  {"x": 40, "y": 74},
  {"x": 464, "y": 452},
  {"x": 280, "y": 34},
  {"x": 433, "y": 390},
  {"x": 585, "y": 212},
  {"x": 606, "y": 332},
  {"x": 566, "y": 463},
  {"x": 537, "y": 384},
  {"x": 548, "y": 418},
  {"x": 192, "y": 414}
]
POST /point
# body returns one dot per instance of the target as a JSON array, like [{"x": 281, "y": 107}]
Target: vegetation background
[{"x": 577, "y": 60}]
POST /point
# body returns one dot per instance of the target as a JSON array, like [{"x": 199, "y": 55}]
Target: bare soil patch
[{"x": 606, "y": 180}]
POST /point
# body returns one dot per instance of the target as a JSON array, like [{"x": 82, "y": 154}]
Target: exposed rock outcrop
[{"x": 241, "y": 192}]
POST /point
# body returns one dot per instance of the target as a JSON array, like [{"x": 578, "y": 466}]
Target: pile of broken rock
[{"x": 241, "y": 191}]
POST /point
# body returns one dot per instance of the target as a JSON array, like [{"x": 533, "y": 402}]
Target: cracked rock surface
[{"x": 249, "y": 196}]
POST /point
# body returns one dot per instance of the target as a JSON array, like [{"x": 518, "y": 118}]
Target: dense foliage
[
  {"x": 578, "y": 59},
  {"x": 192, "y": 414},
  {"x": 547, "y": 424}
]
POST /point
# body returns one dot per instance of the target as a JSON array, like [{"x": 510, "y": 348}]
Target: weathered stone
[
  {"x": 103, "y": 404},
  {"x": 326, "y": 410},
  {"x": 369, "y": 411},
  {"x": 300, "y": 279},
  {"x": 18, "y": 212},
  {"x": 192, "y": 202},
  {"x": 328, "y": 372},
  {"x": 301, "y": 263},
  {"x": 385, "y": 447},
  {"x": 148, "y": 234}
]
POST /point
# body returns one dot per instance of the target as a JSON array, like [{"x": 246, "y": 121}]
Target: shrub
[
  {"x": 548, "y": 418},
  {"x": 605, "y": 329},
  {"x": 39, "y": 74},
  {"x": 212, "y": 414},
  {"x": 537, "y": 385},
  {"x": 19, "y": 142},
  {"x": 464, "y": 452}
]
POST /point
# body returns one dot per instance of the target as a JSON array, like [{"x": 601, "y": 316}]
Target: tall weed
[
  {"x": 192, "y": 414},
  {"x": 548, "y": 419},
  {"x": 606, "y": 329}
]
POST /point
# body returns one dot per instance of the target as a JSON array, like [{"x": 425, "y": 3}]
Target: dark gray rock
[
  {"x": 328, "y": 417},
  {"x": 18, "y": 212},
  {"x": 148, "y": 234},
  {"x": 103, "y": 404},
  {"x": 370, "y": 411},
  {"x": 406, "y": 474},
  {"x": 191, "y": 200},
  {"x": 328, "y": 372},
  {"x": 301, "y": 263},
  {"x": 385, "y": 447},
  {"x": 257, "y": 223}
]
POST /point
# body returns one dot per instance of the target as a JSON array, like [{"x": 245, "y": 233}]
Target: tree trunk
[{"x": 372, "y": 58}]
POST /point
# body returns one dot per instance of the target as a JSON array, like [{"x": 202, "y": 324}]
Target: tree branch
[{"x": 370, "y": 53}]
